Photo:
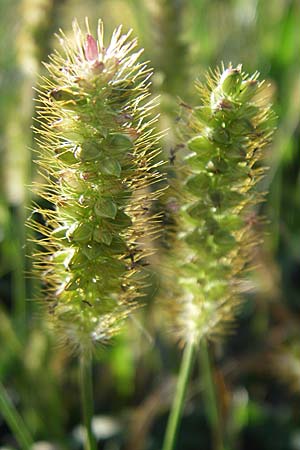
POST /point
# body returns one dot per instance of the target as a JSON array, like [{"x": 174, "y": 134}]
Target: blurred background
[{"x": 256, "y": 369}]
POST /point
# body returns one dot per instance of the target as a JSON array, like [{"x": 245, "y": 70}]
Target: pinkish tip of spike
[{"x": 91, "y": 49}]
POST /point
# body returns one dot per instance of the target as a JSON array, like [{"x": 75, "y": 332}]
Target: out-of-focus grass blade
[{"x": 14, "y": 420}]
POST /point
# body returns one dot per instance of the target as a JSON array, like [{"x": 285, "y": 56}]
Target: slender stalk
[
  {"x": 178, "y": 403},
  {"x": 86, "y": 386},
  {"x": 211, "y": 397},
  {"x": 19, "y": 283},
  {"x": 14, "y": 420},
  {"x": 172, "y": 52}
]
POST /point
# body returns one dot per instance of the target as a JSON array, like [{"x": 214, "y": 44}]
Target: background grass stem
[{"x": 19, "y": 282}]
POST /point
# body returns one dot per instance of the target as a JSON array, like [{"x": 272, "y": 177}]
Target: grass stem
[
  {"x": 210, "y": 396},
  {"x": 178, "y": 403},
  {"x": 86, "y": 386}
]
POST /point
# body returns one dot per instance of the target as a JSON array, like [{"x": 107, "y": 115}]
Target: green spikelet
[
  {"x": 225, "y": 136},
  {"x": 97, "y": 145}
]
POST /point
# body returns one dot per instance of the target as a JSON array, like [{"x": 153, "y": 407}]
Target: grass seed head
[
  {"x": 225, "y": 137},
  {"x": 99, "y": 158}
]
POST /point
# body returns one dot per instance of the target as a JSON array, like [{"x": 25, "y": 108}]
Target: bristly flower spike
[
  {"x": 98, "y": 153},
  {"x": 225, "y": 136}
]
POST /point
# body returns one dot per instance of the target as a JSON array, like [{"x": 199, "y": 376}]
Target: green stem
[
  {"x": 86, "y": 385},
  {"x": 19, "y": 284},
  {"x": 14, "y": 420},
  {"x": 211, "y": 397},
  {"x": 177, "y": 407}
]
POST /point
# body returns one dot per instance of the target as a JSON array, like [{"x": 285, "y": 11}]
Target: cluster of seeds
[
  {"x": 98, "y": 152},
  {"x": 225, "y": 137}
]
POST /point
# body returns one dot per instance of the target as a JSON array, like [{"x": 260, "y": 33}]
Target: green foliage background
[{"x": 257, "y": 368}]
